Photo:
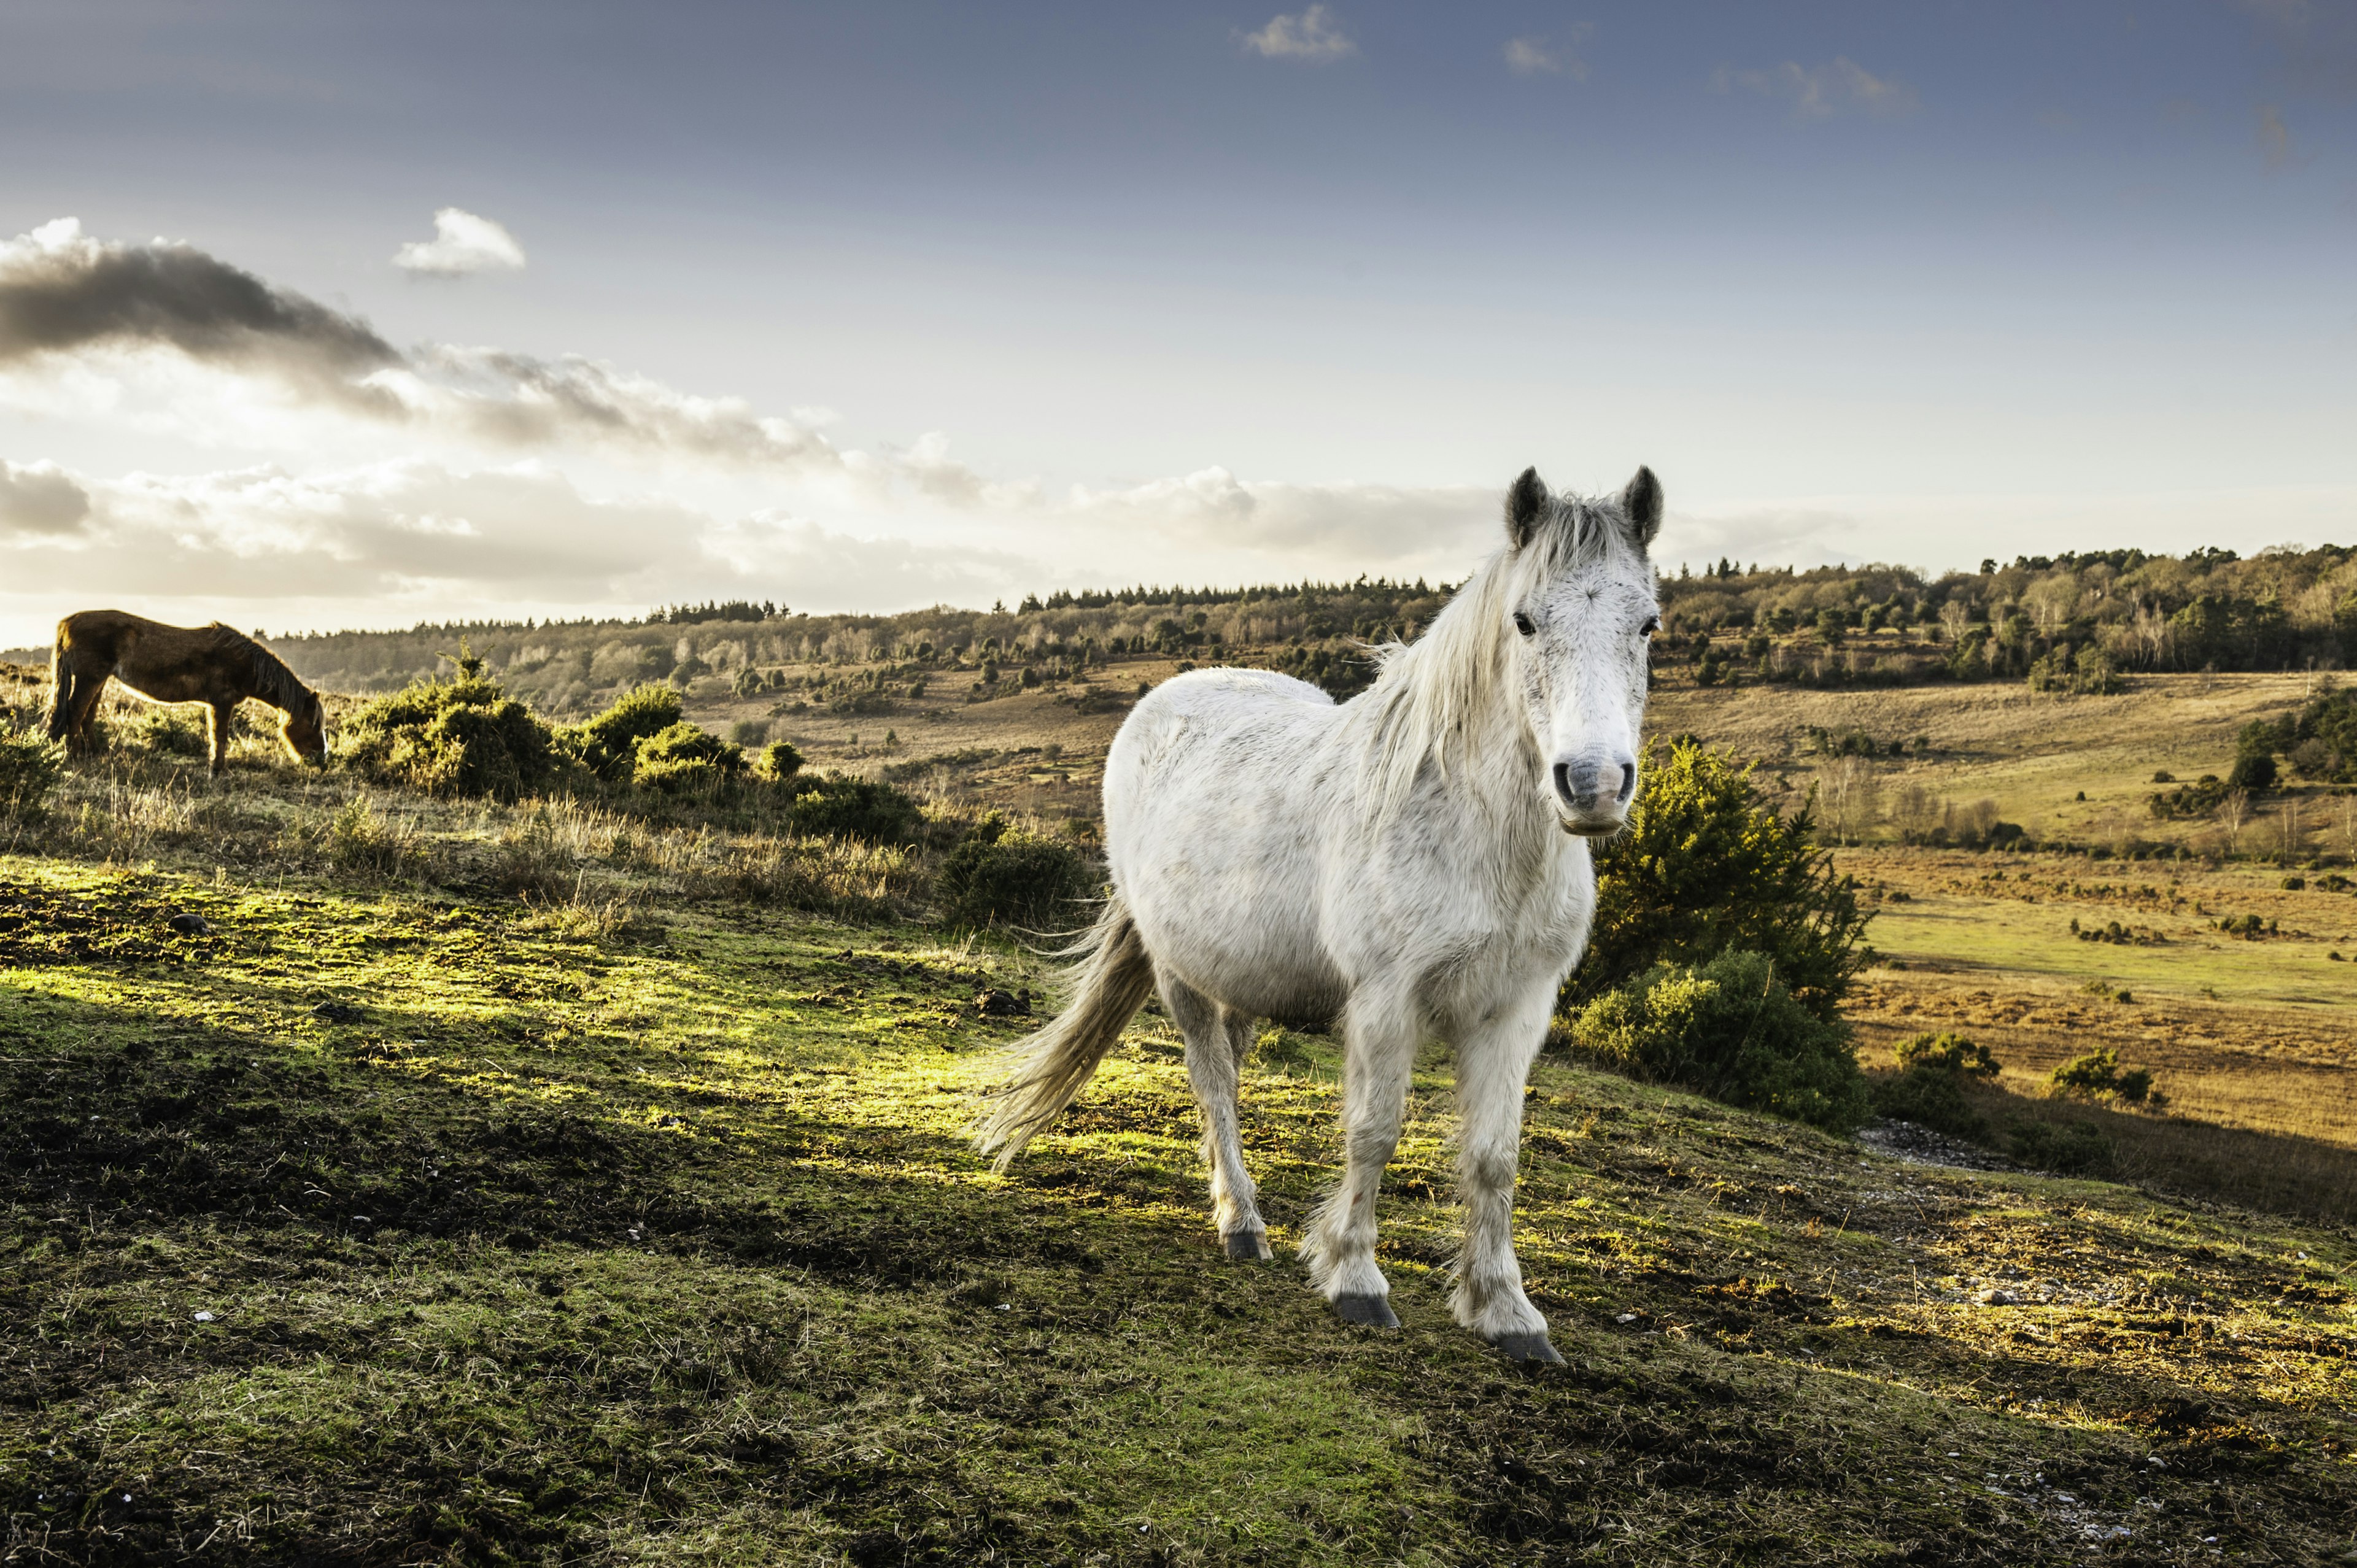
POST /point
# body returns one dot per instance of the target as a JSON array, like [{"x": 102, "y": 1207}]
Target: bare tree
[
  {"x": 2234, "y": 810},
  {"x": 2290, "y": 829},
  {"x": 1955, "y": 616}
]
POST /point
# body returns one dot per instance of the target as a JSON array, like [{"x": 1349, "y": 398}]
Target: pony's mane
[
  {"x": 1433, "y": 692},
  {"x": 273, "y": 683}
]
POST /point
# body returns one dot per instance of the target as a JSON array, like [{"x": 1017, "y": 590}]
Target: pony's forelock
[{"x": 1431, "y": 691}]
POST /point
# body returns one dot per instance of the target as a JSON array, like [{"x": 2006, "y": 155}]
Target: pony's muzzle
[{"x": 1595, "y": 792}]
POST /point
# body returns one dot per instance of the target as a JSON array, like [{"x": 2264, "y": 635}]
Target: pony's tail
[
  {"x": 62, "y": 689},
  {"x": 1110, "y": 983}
]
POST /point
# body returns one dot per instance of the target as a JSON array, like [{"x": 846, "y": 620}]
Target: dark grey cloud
[
  {"x": 61, "y": 292},
  {"x": 40, "y": 500}
]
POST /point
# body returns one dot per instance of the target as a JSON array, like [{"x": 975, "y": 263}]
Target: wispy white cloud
[
  {"x": 1545, "y": 57},
  {"x": 1313, "y": 37},
  {"x": 1819, "y": 92},
  {"x": 1379, "y": 524},
  {"x": 463, "y": 244}
]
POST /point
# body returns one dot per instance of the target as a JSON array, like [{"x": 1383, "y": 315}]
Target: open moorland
[{"x": 578, "y": 1180}]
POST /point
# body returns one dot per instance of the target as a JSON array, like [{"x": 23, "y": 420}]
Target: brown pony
[{"x": 211, "y": 664}]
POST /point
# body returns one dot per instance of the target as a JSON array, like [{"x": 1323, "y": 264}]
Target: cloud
[
  {"x": 355, "y": 542},
  {"x": 63, "y": 293},
  {"x": 2314, "y": 42},
  {"x": 1819, "y": 92},
  {"x": 462, "y": 243},
  {"x": 1312, "y": 38},
  {"x": 1538, "y": 57},
  {"x": 2275, "y": 138},
  {"x": 1372, "y": 523},
  {"x": 40, "y": 500}
]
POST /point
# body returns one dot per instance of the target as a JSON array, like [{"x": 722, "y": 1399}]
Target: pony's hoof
[
  {"x": 1529, "y": 1348},
  {"x": 1374, "y": 1311},
  {"x": 1249, "y": 1246}
]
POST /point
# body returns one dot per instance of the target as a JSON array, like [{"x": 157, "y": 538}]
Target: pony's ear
[
  {"x": 1527, "y": 504},
  {"x": 1641, "y": 502}
]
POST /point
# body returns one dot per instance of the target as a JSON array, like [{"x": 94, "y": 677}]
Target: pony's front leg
[
  {"x": 1378, "y": 1055},
  {"x": 218, "y": 731},
  {"x": 1493, "y": 1062}
]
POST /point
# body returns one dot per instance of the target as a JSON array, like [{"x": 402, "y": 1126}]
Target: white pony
[{"x": 1413, "y": 863}]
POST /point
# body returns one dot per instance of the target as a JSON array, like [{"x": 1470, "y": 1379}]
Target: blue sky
[{"x": 1027, "y": 296}]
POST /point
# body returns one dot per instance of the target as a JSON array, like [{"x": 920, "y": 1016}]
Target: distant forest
[{"x": 2067, "y": 622}]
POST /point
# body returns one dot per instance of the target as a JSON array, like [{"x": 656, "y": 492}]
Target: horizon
[{"x": 559, "y": 315}]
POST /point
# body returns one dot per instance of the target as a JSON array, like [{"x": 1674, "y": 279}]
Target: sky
[{"x": 315, "y": 316}]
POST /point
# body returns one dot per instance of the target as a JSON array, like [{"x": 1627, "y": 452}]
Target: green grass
[{"x": 664, "y": 1247}]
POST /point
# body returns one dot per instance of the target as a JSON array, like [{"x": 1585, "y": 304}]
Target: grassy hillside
[{"x": 375, "y": 1228}]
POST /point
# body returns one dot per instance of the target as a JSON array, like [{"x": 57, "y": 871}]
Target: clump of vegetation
[
  {"x": 609, "y": 745},
  {"x": 461, "y": 737},
  {"x": 30, "y": 767},
  {"x": 1731, "y": 1029},
  {"x": 1001, "y": 876},
  {"x": 1929, "y": 1087},
  {"x": 1708, "y": 867},
  {"x": 170, "y": 730},
  {"x": 2099, "y": 1075},
  {"x": 685, "y": 758},
  {"x": 361, "y": 839},
  {"x": 778, "y": 762},
  {"x": 851, "y": 808}
]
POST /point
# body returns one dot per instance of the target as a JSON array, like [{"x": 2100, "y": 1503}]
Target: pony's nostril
[
  {"x": 1563, "y": 786},
  {"x": 1628, "y": 779}
]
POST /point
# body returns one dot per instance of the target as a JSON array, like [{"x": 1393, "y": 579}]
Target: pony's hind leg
[
  {"x": 1217, "y": 1041},
  {"x": 1493, "y": 1062},
  {"x": 1379, "y": 1055}
]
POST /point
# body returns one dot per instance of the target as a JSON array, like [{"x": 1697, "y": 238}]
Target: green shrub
[
  {"x": 2067, "y": 1148},
  {"x": 1002, "y": 878},
  {"x": 1730, "y": 1029},
  {"x": 851, "y": 808},
  {"x": 460, "y": 736},
  {"x": 1948, "y": 1053},
  {"x": 1929, "y": 1087},
  {"x": 685, "y": 758},
  {"x": 749, "y": 733},
  {"x": 30, "y": 767},
  {"x": 2099, "y": 1075},
  {"x": 609, "y": 745},
  {"x": 1708, "y": 867},
  {"x": 779, "y": 762}
]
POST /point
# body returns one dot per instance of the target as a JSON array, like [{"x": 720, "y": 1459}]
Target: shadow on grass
[{"x": 458, "y": 1347}]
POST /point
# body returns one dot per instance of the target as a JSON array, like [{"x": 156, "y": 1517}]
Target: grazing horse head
[
  {"x": 1575, "y": 607},
  {"x": 305, "y": 727}
]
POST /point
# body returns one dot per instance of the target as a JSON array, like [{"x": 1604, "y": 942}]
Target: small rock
[
  {"x": 336, "y": 1013},
  {"x": 1997, "y": 1298},
  {"x": 992, "y": 1002},
  {"x": 191, "y": 925},
  {"x": 1625, "y": 1318},
  {"x": 204, "y": 1317}
]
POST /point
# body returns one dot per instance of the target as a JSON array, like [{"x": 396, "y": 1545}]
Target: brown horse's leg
[
  {"x": 89, "y": 686},
  {"x": 222, "y": 714}
]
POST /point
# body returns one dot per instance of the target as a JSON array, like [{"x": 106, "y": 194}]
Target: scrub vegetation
[{"x": 399, "y": 1172}]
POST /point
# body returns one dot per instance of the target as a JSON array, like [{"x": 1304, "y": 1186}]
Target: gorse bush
[
  {"x": 851, "y": 808},
  {"x": 2067, "y": 1148},
  {"x": 609, "y": 745},
  {"x": 30, "y": 767},
  {"x": 2099, "y": 1075},
  {"x": 1000, "y": 876},
  {"x": 460, "y": 736},
  {"x": 1707, "y": 867},
  {"x": 1728, "y": 1028},
  {"x": 778, "y": 762},
  {"x": 684, "y": 758},
  {"x": 1929, "y": 1087}
]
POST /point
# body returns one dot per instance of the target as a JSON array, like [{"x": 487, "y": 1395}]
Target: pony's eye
[
  {"x": 1653, "y": 624},
  {"x": 1522, "y": 624}
]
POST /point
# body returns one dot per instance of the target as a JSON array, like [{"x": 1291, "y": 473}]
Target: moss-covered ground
[{"x": 379, "y": 1230}]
